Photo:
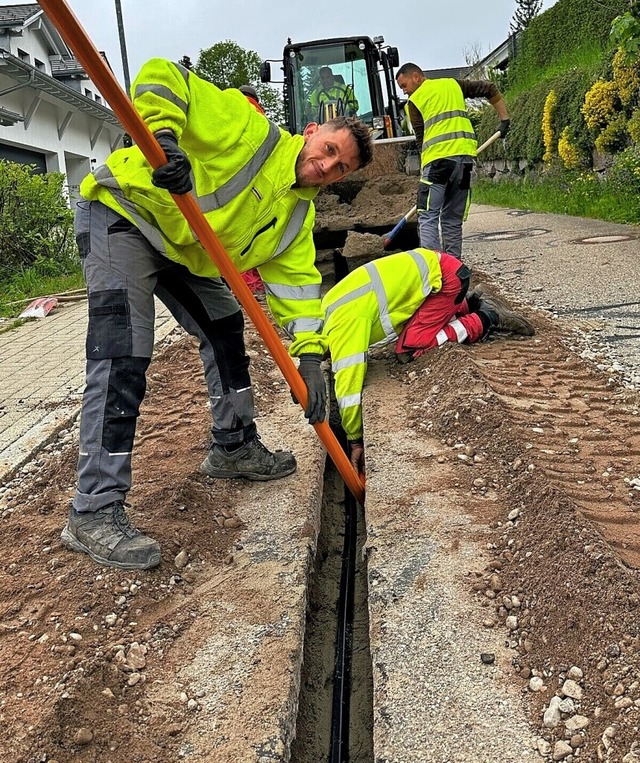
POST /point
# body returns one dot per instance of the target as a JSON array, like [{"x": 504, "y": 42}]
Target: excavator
[{"x": 361, "y": 65}]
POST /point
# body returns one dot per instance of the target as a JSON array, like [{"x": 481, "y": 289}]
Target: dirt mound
[
  {"x": 363, "y": 245},
  {"x": 547, "y": 449},
  {"x": 380, "y": 202},
  {"x": 94, "y": 662}
]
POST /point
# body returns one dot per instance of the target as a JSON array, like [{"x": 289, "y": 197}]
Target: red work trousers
[{"x": 443, "y": 316}]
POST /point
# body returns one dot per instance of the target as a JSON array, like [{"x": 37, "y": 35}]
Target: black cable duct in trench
[{"x": 340, "y": 710}]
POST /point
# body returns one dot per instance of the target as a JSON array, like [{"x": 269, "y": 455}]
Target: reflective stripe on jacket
[
  {"x": 370, "y": 307},
  {"x": 447, "y": 128},
  {"x": 243, "y": 172}
]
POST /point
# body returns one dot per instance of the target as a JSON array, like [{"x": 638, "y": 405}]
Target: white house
[{"x": 51, "y": 114}]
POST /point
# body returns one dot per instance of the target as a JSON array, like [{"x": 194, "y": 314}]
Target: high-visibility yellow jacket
[
  {"x": 243, "y": 175},
  {"x": 447, "y": 128},
  {"x": 370, "y": 307}
]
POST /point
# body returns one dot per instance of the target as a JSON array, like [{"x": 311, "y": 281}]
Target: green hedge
[
  {"x": 565, "y": 49},
  {"x": 525, "y": 135},
  {"x": 36, "y": 224},
  {"x": 557, "y": 37}
]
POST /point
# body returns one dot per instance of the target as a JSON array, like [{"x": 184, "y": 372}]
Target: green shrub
[
  {"x": 525, "y": 138},
  {"x": 624, "y": 174},
  {"x": 626, "y": 76},
  {"x": 568, "y": 152},
  {"x": 571, "y": 32},
  {"x": 36, "y": 225},
  {"x": 601, "y": 103},
  {"x": 633, "y": 126}
]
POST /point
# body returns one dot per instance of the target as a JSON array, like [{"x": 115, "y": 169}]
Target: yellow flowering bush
[
  {"x": 614, "y": 136},
  {"x": 547, "y": 125},
  {"x": 600, "y": 102},
  {"x": 633, "y": 126},
  {"x": 569, "y": 154},
  {"x": 626, "y": 77}
]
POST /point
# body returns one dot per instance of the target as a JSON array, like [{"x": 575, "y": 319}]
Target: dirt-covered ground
[
  {"x": 529, "y": 426},
  {"x": 526, "y": 423}
]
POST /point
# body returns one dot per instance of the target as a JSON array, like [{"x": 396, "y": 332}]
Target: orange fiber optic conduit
[{"x": 77, "y": 39}]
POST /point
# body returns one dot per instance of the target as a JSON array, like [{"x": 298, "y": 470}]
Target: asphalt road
[{"x": 581, "y": 270}]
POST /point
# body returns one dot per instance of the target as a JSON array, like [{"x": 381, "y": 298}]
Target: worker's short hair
[
  {"x": 325, "y": 69},
  {"x": 408, "y": 68},
  {"x": 361, "y": 134}
]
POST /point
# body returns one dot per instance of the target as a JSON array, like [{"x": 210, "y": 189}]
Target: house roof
[
  {"x": 22, "y": 72},
  {"x": 9, "y": 14},
  {"x": 456, "y": 72}
]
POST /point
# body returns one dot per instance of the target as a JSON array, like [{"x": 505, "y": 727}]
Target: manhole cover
[
  {"x": 507, "y": 235},
  {"x": 603, "y": 239}
]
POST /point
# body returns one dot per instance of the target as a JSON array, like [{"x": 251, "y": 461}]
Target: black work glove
[
  {"x": 174, "y": 175},
  {"x": 313, "y": 377},
  {"x": 504, "y": 128}
]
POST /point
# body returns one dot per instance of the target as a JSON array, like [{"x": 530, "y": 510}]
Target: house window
[
  {"x": 98, "y": 99},
  {"x": 88, "y": 93},
  {"x": 39, "y": 65},
  {"x": 23, "y": 56}
]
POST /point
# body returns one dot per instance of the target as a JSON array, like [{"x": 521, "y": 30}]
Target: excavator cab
[{"x": 339, "y": 77}]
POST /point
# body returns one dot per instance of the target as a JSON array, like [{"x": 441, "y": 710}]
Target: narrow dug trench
[{"x": 335, "y": 717}]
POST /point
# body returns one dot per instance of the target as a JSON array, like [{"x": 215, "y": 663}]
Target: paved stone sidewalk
[{"x": 42, "y": 378}]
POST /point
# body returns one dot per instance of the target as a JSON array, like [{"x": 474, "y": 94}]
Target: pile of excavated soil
[
  {"x": 363, "y": 245},
  {"x": 546, "y": 448},
  {"x": 379, "y": 202},
  {"x": 104, "y": 665}
]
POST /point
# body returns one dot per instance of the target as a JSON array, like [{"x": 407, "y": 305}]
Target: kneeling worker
[{"x": 417, "y": 299}]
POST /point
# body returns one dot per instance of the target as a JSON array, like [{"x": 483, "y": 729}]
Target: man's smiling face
[{"x": 327, "y": 156}]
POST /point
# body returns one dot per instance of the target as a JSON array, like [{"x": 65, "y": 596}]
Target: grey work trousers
[
  {"x": 444, "y": 193},
  {"x": 123, "y": 272}
]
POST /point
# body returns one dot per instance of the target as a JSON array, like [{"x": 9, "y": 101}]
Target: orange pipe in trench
[{"x": 77, "y": 39}]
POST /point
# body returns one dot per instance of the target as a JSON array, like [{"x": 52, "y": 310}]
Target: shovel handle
[
  {"x": 488, "y": 142},
  {"x": 399, "y": 226}
]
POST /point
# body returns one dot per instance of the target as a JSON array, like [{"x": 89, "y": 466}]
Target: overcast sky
[{"x": 433, "y": 35}]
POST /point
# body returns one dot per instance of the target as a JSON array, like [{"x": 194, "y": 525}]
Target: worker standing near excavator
[
  {"x": 417, "y": 299},
  {"x": 255, "y": 184},
  {"x": 447, "y": 142}
]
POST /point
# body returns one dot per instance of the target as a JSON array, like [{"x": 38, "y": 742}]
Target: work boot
[
  {"x": 404, "y": 357},
  {"x": 108, "y": 537},
  {"x": 251, "y": 460},
  {"x": 502, "y": 318}
]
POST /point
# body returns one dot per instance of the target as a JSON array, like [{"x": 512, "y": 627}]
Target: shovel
[{"x": 390, "y": 236}]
